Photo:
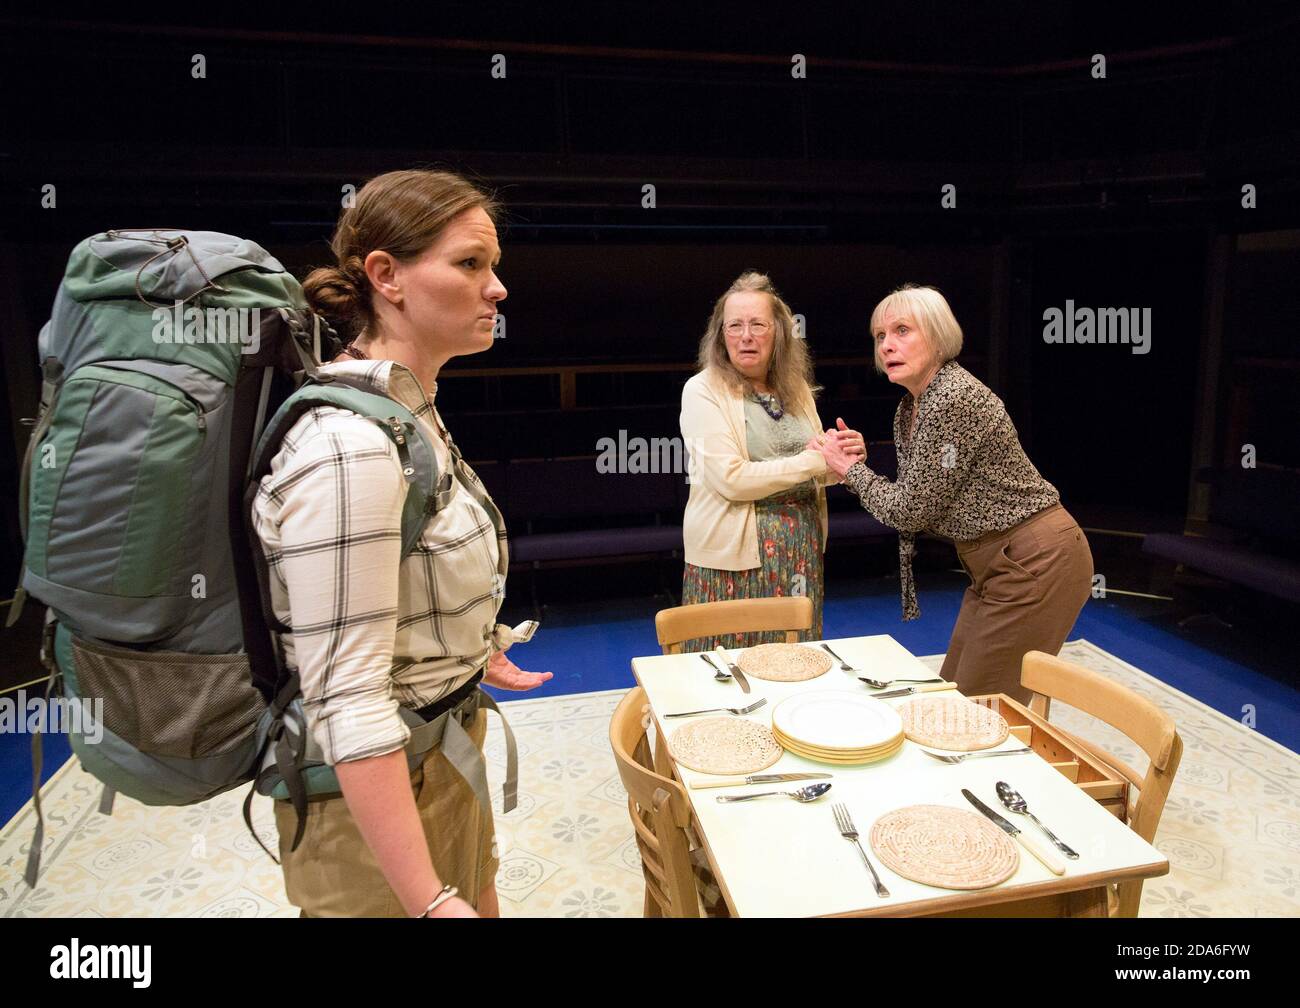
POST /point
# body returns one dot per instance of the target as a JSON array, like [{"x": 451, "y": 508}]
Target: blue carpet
[
  {"x": 1227, "y": 686},
  {"x": 589, "y": 647},
  {"x": 16, "y": 767}
]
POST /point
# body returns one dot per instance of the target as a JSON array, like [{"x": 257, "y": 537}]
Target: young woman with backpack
[{"x": 372, "y": 630}]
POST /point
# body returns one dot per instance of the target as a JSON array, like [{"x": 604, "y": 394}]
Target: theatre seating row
[
  {"x": 1255, "y": 535},
  {"x": 566, "y": 510},
  {"x": 500, "y": 435}
]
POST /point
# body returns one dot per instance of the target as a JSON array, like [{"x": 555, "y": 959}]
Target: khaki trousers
[
  {"x": 333, "y": 873},
  {"x": 1028, "y": 584}
]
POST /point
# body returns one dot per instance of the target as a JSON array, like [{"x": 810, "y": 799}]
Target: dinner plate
[
  {"x": 834, "y": 719},
  {"x": 788, "y": 742},
  {"x": 823, "y": 757}
]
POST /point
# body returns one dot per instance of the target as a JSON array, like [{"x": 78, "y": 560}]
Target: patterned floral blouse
[{"x": 961, "y": 471}]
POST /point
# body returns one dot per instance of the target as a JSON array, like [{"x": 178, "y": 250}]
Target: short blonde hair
[
  {"x": 790, "y": 372},
  {"x": 929, "y": 311}
]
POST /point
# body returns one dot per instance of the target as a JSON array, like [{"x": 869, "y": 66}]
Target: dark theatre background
[{"x": 1123, "y": 192}]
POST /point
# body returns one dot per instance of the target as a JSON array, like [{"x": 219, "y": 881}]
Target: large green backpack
[{"x": 164, "y": 356}]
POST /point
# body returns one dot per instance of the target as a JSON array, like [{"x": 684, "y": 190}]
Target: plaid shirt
[{"x": 372, "y": 630}]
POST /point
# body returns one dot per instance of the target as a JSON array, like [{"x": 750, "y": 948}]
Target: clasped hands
[{"x": 840, "y": 446}]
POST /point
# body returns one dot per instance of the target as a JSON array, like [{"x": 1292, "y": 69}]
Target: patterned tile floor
[{"x": 1231, "y": 828}]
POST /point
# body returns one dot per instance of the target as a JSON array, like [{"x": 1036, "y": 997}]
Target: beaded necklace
[{"x": 771, "y": 405}]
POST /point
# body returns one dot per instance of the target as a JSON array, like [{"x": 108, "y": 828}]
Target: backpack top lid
[
  {"x": 163, "y": 264},
  {"x": 125, "y": 295}
]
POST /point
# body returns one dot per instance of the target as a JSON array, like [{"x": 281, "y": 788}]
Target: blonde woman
[
  {"x": 414, "y": 283},
  {"x": 755, "y": 522},
  {"x": 963, "y": 475}
]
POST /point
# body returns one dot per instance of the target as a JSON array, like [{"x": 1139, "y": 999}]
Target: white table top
[{"x": 779, "y": 858}]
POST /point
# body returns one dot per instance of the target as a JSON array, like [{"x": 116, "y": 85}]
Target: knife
[
  {"x": 909, "y": 690},
  {"x": 770, "y": 778},
  {"x": 735, "y": 670},
  {"x": 1036, "y": 847}
]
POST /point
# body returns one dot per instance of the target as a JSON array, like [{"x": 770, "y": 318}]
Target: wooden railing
[{"x": 568, "y": 373}]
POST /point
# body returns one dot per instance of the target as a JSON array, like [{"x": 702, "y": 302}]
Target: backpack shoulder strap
[{"x": 425, "y": 492}]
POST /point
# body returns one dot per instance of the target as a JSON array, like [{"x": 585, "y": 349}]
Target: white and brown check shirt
[{"x": 370, "y": 629}]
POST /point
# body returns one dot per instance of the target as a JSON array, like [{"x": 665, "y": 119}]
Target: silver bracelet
[{"x": 447, "y": 892}]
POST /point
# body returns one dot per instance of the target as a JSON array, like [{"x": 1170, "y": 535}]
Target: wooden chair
[
  {"x": 790, "y": 613},
  {"x": 1050, "y": 678},
  {"x": 660, "y": 815},
  {"x": 673, "y": 627}
]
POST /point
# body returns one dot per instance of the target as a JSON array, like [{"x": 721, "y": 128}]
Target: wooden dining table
[{"x": 774, "y": 857}]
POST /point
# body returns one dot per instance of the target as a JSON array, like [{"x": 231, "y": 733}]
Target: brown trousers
[
  {"x": 1028, "y": 584},
  {"x": 333, "y": 873}
]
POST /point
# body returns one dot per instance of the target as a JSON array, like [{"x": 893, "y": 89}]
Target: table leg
[{"x": 1086, "y": 903}]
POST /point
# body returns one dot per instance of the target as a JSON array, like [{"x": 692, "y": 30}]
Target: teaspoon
[
  {"x": 804, "y": 794},
  {"x": 718, "y": 674}
]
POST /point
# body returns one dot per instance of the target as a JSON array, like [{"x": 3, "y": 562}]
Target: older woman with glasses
[{"x": 755, "y": 523}]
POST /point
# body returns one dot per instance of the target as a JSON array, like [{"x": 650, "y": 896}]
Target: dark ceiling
[
  {"x": 1011, "y": 34},
  {"x": 899, "y": 100}
]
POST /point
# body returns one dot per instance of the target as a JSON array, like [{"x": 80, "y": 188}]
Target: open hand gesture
[{"x": 504, "y": 674}]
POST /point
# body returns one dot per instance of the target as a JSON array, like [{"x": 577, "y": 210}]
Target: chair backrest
[
  {"x": 1154, "y": 732},
  {"x": 659, "y": 811},
  {"x": 713, "y": 619}
]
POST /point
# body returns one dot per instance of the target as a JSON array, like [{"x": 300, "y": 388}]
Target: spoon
[
  {"x": 804, "y": 794},
  {"x": 1012, "y": 801},
  {"x": 718, "y": 674},
  {"x": 883, "y": 683}
]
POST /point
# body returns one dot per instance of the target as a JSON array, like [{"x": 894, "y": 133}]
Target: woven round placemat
[
  {"x": 784, "y": 662},
  {"x": 952, "y": 722},
  {"x": 720, "y": 745},
  {"x": 946, "y": 847}
]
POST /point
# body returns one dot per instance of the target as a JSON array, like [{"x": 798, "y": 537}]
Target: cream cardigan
[{"x": 720, "y": 529}]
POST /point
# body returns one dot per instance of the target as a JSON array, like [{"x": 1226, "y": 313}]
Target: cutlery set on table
[{"x": 938, "y": 845}]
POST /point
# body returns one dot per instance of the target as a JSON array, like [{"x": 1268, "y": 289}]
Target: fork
[
  {"x": 945, "y": 758},
  {"x": 844, "y": 666},
  {"x": 844, "y": 823},
  {"x": 730, "y": 710}
]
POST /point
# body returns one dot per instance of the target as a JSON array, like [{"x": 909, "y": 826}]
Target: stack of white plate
[{"x": 837, "y": 727}]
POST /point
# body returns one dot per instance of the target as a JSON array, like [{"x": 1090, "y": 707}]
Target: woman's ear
[{"x": 382, "y": 270}]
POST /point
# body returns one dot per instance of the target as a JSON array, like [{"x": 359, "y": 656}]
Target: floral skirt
[{"x": 790, "y": 549}]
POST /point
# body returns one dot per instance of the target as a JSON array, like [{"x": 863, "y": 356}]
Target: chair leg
[{"x": 652, "y": 907}]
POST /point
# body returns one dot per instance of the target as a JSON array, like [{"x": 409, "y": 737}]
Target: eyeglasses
[{"x": 737, "y": 328}]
